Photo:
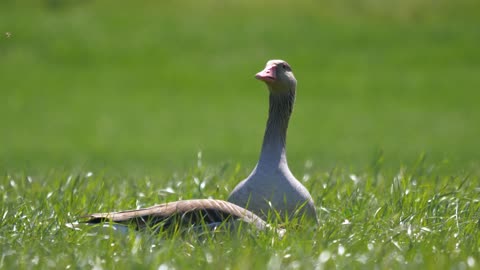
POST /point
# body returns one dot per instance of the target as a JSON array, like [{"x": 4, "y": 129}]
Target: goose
[{"x": 270, "y": 186}]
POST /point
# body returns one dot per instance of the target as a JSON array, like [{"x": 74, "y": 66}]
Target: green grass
[
  {"x": 388, "y": 97},
  {"x": 410, "y": 218}
]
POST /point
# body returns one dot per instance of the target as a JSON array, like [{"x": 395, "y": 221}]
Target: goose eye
[{"x": 286, "y": 67}]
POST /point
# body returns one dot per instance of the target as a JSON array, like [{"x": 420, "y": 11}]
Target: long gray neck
[{"x": 274, "y": 153}]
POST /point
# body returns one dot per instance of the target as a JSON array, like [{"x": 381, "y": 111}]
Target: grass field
[{"x": 105, "y": 106}]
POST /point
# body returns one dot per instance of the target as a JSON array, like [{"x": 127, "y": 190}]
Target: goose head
[{"x": 278, "y": 76}]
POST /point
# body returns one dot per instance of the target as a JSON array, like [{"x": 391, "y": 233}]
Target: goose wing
[{"x": 184, "y": 212}]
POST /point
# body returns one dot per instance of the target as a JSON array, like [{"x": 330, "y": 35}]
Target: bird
[
  {"x": 270, "y": 193},
  {"x": 271, "y": 185}
]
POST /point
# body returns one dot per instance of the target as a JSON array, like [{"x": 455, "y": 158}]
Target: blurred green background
[{"x": 146, "y": 85}]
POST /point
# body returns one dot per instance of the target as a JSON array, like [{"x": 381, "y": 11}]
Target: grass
[
  {"x": 105, "y": 107},
  {"x": 410, "y": 218}
]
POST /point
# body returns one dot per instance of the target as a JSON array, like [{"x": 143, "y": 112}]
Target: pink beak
[{"x": 267, "y": 75}]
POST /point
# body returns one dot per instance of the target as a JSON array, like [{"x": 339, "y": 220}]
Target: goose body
[{"x": 270, "y": 186}]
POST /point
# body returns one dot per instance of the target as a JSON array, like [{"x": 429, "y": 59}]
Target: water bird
[{"x": 270, "y": 192}]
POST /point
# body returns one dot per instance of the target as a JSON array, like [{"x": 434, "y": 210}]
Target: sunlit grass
[{"x": 408, "y": 217}]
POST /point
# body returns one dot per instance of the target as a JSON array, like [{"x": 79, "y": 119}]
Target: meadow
[{"x": 108, "y": 106}]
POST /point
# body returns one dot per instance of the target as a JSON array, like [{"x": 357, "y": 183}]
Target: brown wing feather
[{"x": 186, "y": 212}]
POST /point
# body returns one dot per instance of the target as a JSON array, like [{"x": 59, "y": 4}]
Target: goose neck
[{"x": 273, "y": 154}]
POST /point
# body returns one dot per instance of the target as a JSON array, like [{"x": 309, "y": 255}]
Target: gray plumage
[{"x": 271, "y": 185}]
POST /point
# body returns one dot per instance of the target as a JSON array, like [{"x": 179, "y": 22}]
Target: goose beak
[{"x": 267, "y": 75}]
